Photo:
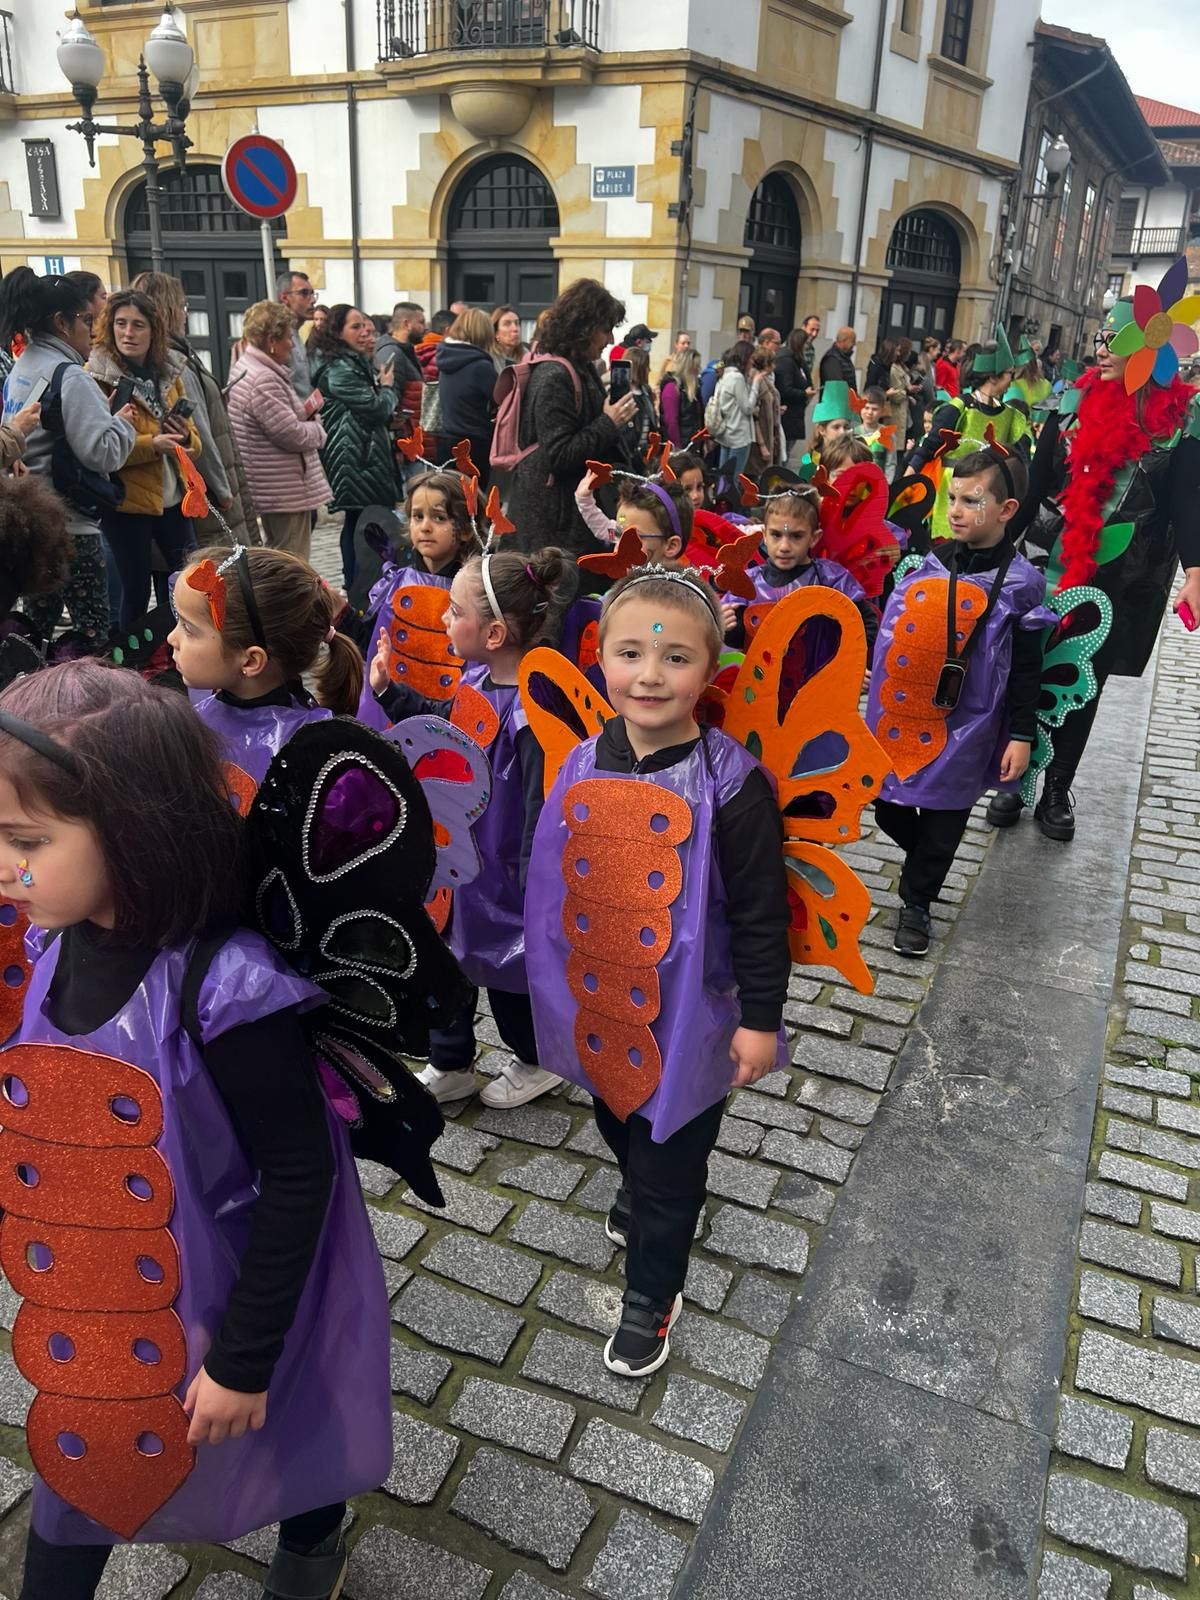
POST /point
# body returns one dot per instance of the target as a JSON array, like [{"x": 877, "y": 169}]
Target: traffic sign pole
[{"x": 268, "y": 249}]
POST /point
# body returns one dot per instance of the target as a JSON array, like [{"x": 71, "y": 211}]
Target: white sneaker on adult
[
  {"x": 518, "y": 1083},
  {"x": 448, "y": 1085}
]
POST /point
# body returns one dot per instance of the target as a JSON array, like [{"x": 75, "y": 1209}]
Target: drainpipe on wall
[
  {"x": 352, "y": 148},
  {"x": 868, "y": 154}
]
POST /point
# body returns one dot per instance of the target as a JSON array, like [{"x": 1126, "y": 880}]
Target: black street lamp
[{"x": 172, "y": 61}]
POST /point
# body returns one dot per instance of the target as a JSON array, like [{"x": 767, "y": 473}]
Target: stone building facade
[{"x": 703, "y": 157}]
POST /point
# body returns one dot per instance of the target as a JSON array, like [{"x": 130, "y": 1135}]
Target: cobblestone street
[{"x": 524, "y": 1470}]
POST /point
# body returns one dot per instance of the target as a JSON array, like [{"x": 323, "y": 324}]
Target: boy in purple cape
[
  {"x": 657, "y": 896},
  {"x": 955, "y": 682}
]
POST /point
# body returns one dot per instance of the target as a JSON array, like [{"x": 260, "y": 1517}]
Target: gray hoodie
[{"x": 97, "y": 438}]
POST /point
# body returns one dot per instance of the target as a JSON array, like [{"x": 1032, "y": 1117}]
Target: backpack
[
  {"x": 509, "y": 395},
  {"x": 90, "y": 493},
  {"x": 712, "y": 416}
]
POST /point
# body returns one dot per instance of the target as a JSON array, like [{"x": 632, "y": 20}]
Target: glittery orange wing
[
  {"x": 621, "y": 857},
  {"x": 732, "y": 561},
  {"x": 911, "y": 729},
  {"x": 195, "y": 490},
  {"x": 14, "y": 967},
  {"x": 826, "y": 764},
  {"x": 562, "y": 707},
  {"x": 629, "y": 553},
  {"x": 241, "y": 786},
  {"x": 421, "y": 655},
  {"x": 87, "y": 1199},
  {"x": 206, "y": 580},
  {"x": 474, "y": 714}
]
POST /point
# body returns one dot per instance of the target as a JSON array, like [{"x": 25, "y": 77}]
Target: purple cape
[
  {"x": 698, "y": 1010},
  {"x": 977, "y": 729},
  {"x": 328, "y": 1427},
  {"x": 252, "y": 736},
  {"x": 487, "y": 922}
]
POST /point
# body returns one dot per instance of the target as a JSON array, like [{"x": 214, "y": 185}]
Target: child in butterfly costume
[
  {"x": 501, "y": 605},
  {"x": 960, "y": 426},
  {"x": 204, "y": 1305},
  {"x": 408, "y": 602},
  {"x": 249, "y": 624},
  {"x": 1126, "y": 481},
  {"x": 956, "y": 679},
  {"x": 661, "y": 914}
]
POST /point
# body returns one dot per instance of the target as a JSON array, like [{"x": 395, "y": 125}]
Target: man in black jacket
[
  {"x": 836, "y": 365},
  {"x": 793, "y": 379}
]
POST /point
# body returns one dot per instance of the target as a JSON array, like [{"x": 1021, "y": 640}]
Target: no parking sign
[{"x": 259, "y": 176}]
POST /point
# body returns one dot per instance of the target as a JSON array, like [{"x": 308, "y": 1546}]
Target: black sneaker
[
  {"x": 912, "y": 932},
  {"x": 643, "y": 1341},
  {"x": 616, "y": 1223},
  {"x": 1055, "y": 812},
  {"x": 1004, "y": 810},
  {"x": 315, "y": 1574}
]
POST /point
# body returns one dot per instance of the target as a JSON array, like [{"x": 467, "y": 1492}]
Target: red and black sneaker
[{"x": 643, "y": 1341}]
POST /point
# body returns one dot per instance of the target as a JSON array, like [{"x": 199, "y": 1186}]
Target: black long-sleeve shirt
[
  {"x": 399, "y": 701},
  {"x": 749, "y": 841},
  {"x": 1025, "y": 670},
  {"x": 265, "y": 1076}
]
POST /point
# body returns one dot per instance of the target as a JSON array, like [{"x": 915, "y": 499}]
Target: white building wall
[
  {"x": 634, "y": 25},
  {"x": 1165, "y": 207},
  {"x": 608, "y": 133},
  {"x": 856, "y": 57},
  {"x": 317, "y": 139},
  {"x": 317, "y": 36},
  {"x": 1010, "y": 66},
  {"x": 71, "y": 155},
  {"x": 719, "y": 157},
  {"x": 726, "y": 29},
  {"x": 36, "y": 27}
]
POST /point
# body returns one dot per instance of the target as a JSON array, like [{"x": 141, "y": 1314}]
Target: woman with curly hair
[
  {"x": 132, "y": 354},
  {"x": 567, "y": 420}
]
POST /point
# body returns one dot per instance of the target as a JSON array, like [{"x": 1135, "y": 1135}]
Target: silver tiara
[{"x": 670, "y": 574}]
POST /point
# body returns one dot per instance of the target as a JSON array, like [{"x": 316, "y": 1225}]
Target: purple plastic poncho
[
  {"x": 487, "y": 922},
  {"x": 977, "y": 729},
  {"x": 328, "y": 1431},
  {"x": 252, "y": 736},
  {"x": 698, "y": 1012}
]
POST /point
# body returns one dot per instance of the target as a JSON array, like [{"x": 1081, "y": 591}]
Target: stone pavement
[
  {"x": 523, "y": 1469},
  {"x": 1121, "y": 1511}
]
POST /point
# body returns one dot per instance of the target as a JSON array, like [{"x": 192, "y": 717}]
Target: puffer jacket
[
  {"x": 142, "y": 473},
  {"x": 466, "y": 379},
  {"x": 278, "y": 444},
  {"x": 358, "y": 456}
]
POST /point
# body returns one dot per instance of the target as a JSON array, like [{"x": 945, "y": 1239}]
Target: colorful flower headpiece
[{"x": 1156, "y": 332}]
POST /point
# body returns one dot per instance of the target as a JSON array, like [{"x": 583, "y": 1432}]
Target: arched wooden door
[
  {"x": 925, "y": 260},
  {"x": 502, "y": 216},
  {"x": 768, "y": 292}
]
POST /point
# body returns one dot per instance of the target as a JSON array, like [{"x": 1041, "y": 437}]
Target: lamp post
[{"x": 170, "y": 57}]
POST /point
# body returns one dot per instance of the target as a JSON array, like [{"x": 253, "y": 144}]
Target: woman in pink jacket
[{"x": 276, "y": 432}]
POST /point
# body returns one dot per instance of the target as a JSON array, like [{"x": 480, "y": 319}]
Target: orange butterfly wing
[
  {"x": 600, "y": 470},
  {"x": 462, "y": 458},
  {"x": 500, "y": 523},
  {"x": 14, "y": 967},
  {"x": 241, "y": 786},
  {"x": 421, "y": 656},
  {"x": 653, "y": 440},
  {"x": 911, "y": 728},
  {"x": 830, "y": 905},
  {"x": 586, "y": 705},
  {"x": 629, "y": 553},
  {"x": 749, "y": 489},
  {"x": 412, "y": 448},
  {"x": 732, "y": 560},
  {"x": 471, "y": 492}
]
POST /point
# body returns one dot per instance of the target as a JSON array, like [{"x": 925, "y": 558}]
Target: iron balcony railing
[
  {"x": 7, "y": 81},
  {"x": 410, "y": 28},
  {"x": 1149, "y": 242}
]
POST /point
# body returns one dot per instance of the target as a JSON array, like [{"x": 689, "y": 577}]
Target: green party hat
[{"x": 834, "y": 402}]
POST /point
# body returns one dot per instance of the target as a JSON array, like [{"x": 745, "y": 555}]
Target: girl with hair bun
[
  {"x": 250, "y": 625},
  {"x": 501, "y": 605}
]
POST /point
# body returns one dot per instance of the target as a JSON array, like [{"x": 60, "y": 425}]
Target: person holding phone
[
  {"x": 132, "y": 356},
  {"x": 75, "y": 443}
]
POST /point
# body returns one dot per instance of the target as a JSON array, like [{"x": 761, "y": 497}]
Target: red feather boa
[{"x": 1108, "y": 436}]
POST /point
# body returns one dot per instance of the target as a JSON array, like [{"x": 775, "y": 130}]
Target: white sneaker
[
  {"x": 518, "y": 1083},
  {"x": 448, "y": 1085}
]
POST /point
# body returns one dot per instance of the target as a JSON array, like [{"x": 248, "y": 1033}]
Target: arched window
[
  {"x": 772, "y": 233},
  {"x": 502, "y": 216},
  {"x": 923, "y": 241}
]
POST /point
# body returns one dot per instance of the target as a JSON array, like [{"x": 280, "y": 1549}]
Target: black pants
[
  {"x": 666, "y": 1184},
  {"x": 346, "y": 545},
  {"x": 929, "y": 840},
  {"x": 73, "y": 1571},
  {"x": 452, "y": 1049},
  {"x": 1070, "y": 741},
  {"x": 130, "y": 538}
]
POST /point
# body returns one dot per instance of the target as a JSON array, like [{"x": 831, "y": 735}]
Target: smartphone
[
  {"x": 618, "y": 381},
  {"x": 36, "y": 392},
  {"x": 122, "y": 395},
  {"x": 1186, "y": 615},
  {"x": 181, "y": 408}
]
